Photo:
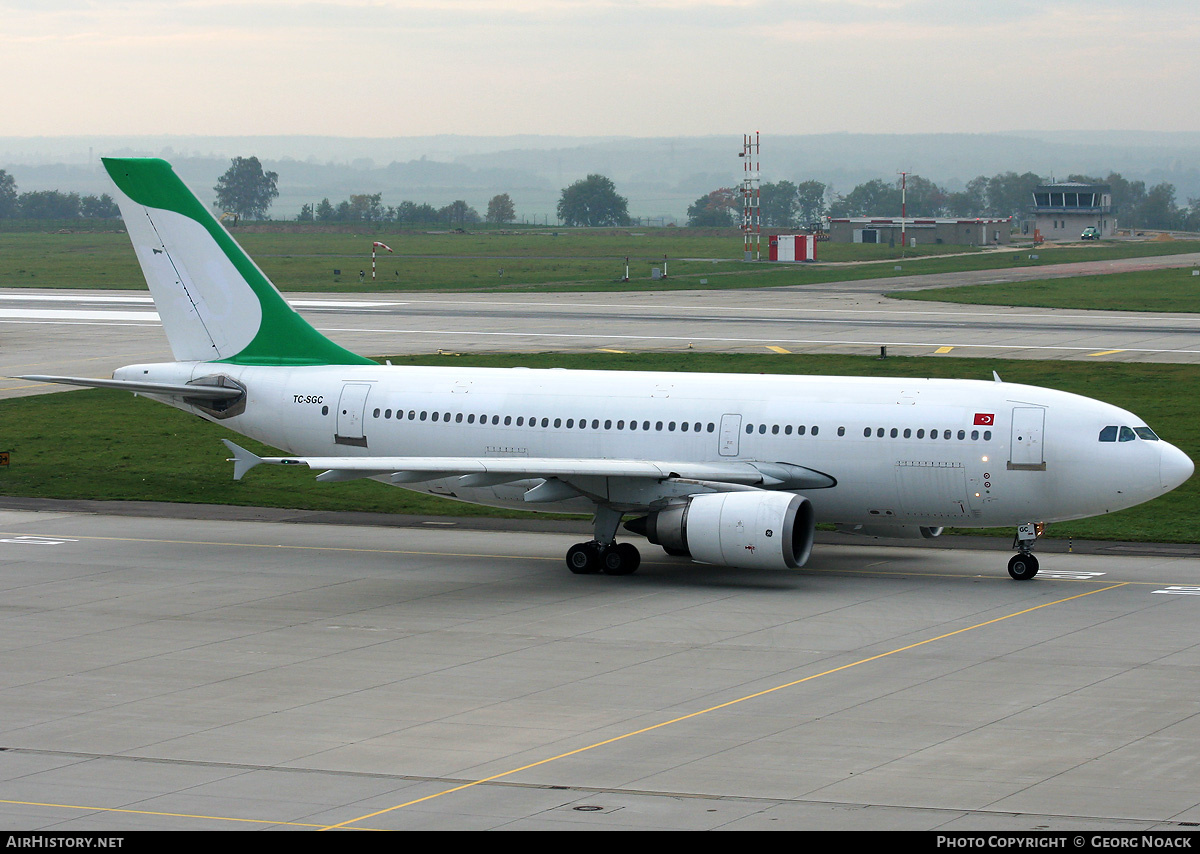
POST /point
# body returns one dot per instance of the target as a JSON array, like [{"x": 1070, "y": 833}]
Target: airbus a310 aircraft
[{"x": 734, "y": 470}]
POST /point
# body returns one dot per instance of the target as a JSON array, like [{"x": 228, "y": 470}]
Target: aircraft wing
[
  {"x": 490, "y": 471},
  {"x": 204, "y": 392}
]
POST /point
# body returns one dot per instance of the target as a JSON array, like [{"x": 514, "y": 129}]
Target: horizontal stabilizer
[
  {"x": 204, "y": 392},
  {"x": 242, "y": 459}
]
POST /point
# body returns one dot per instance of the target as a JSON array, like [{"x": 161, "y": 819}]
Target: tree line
[
  {"x": 52, "y": 204},
  {"x": 787, "y": 205}
]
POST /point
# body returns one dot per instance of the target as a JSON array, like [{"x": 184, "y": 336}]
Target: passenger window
[
  {"x": 866, "y": 432},
  {"x": 815, "y": 429},
  {"x": 920, "y": 434},
  {"x": 749, "y": 429},
  {"x": 800, "y": 430},
  {"x": 841, "y": 431},
  {"x": 894, "y": 433},
  {"x": 787, "y": 430},
  {"x": 470, "y": 419},
  {"x": 987, "y": 435},
  {"x": 507, "y": 420},
  {"x": 974, "y": 435},
  {"x": 458, "y": 418},
  {"x": 1109, "y": 433},
  {"x": 645, "y": 425},
  {"x": 907, "y": 432},
  {"x": 570, "y": 423},
  {"x": 375, "y": 414},
  {"x": 962, "y": 434},
  {"x": 1127, "y": 435},
  {"x": 762, "y": 428}
]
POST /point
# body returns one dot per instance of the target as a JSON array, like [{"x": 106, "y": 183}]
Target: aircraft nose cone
[{"x": 1174, "y": 466}]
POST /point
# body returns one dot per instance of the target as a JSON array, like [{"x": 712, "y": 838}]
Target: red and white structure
[
  {"x": 374, "y": 246},
  {"x": 792, "y": 247},
  {"x": 751, "y": 198}
]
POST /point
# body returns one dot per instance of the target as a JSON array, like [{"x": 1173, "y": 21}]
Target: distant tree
[
  {"x": 969, "y": 202},
  {"x": 778, "y": 204},
  {"x": 458, "y": 212},
  {"x": 1158, "y": 209},
  {"x": 324, "y": 211},
  {"x": 875, "y": 197},
  {"x": 49, "y": 204},
  {"x": 500, "y": 209},
  {"x": 1010, "y": 194},
  {"x": 810, "y": 202},
  {"x": 9, "y": 206},
  {"x": 366, "y": 208},
  {"x": 924, "y": 198},
  {"x": 718, "y": 209},
  {"x": 306, "y": 213},
  {"x": 593, "y": 201},
  {"x": 245, "y": 189},
  {"x": 99, "y": 208}
]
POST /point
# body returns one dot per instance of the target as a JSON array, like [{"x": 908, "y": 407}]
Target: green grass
[
  {"x": 531, "y": 260},
  {"x": 108, "y": 445},
  {"x": 1173, "y": 290}
]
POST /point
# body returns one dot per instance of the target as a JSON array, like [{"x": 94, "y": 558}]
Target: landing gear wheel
[
  {"x": 620, "y": 559},
  {"x": 584, "y": 559},
  {"x": 1023, "y": 567}
]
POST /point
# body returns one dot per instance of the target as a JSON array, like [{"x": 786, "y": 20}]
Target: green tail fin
[{"x": 215, "y": 303}]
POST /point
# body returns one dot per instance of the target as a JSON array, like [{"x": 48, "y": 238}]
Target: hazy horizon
[{"x": 640, "y": 68}]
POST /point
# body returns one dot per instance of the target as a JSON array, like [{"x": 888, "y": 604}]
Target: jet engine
[{"x": 751, "y": 530}]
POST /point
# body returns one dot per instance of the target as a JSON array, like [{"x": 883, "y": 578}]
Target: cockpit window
[
  {"x": 1146, "y": 433},
  {"x": 1127, "y": 435},
  {"x": 1109, "y": 434}
]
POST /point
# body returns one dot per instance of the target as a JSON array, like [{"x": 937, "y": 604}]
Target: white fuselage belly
[{"x": 931, "y": 456}]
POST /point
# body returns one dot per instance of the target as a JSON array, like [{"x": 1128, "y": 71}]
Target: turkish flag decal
[{"x": 987, "y": 419}]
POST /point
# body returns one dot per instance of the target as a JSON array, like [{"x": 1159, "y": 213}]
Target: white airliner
[{"x": 730, "y": 469}]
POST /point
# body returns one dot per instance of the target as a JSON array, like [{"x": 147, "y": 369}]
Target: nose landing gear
[{"x": 1024, "y": 565}]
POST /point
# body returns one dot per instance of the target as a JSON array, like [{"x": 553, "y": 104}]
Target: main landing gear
[
  {"x": 604, "y": 554},
  {"x": 1024, "y": 565}
]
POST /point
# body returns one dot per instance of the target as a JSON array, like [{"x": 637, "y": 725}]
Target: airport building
[
  {"x": 1063, "y": 211},
  {"x": 973, "y": 231}
]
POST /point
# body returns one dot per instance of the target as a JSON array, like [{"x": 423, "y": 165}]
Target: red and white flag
[{"x": 987, "y": 419}]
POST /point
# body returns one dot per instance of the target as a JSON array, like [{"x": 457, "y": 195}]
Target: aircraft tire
[
  {"x": 1023, "y": 567},
  {"x": 583, "y": 559},
  {"x": 621, "y": 559}
]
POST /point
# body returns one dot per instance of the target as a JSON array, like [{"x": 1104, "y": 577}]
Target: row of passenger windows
[
  {"x": 670, "y": 426},
  {"x": 1112, "y": 433},
  {"x": 534, "y": 421},
  {"x": 933, "y": 434}
]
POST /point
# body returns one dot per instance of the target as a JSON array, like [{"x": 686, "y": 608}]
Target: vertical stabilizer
[{"x": 215, "y": 303}]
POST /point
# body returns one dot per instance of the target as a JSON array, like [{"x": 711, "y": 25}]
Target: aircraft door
[
  {"x": 351, "y": 410},
  {"x": 1025, "y": 454},
  {"x": 731, "y": 431}
]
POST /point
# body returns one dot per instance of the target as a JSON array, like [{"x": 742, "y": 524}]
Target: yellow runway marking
[
  {"x": 775, "y": 349},
  {"x": 943, "y": 349},
  {"x": 717, "y": 707},
  {"x": 608, "y": 350},
  {"x": 174, "y": 814},
  {"x": 1106, "y": 352}
]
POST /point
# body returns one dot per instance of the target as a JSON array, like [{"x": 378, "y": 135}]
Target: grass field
[
  {"x": 1175, "y": 290},
  {"x": 109, "y": 445},
  {"x": 531, "y": 259}
]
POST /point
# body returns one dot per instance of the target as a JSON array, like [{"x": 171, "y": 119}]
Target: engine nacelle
[{"x": 751, "y": 530}]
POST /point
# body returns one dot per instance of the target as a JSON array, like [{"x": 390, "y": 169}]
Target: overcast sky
[{"x": 586, "y": 67}]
